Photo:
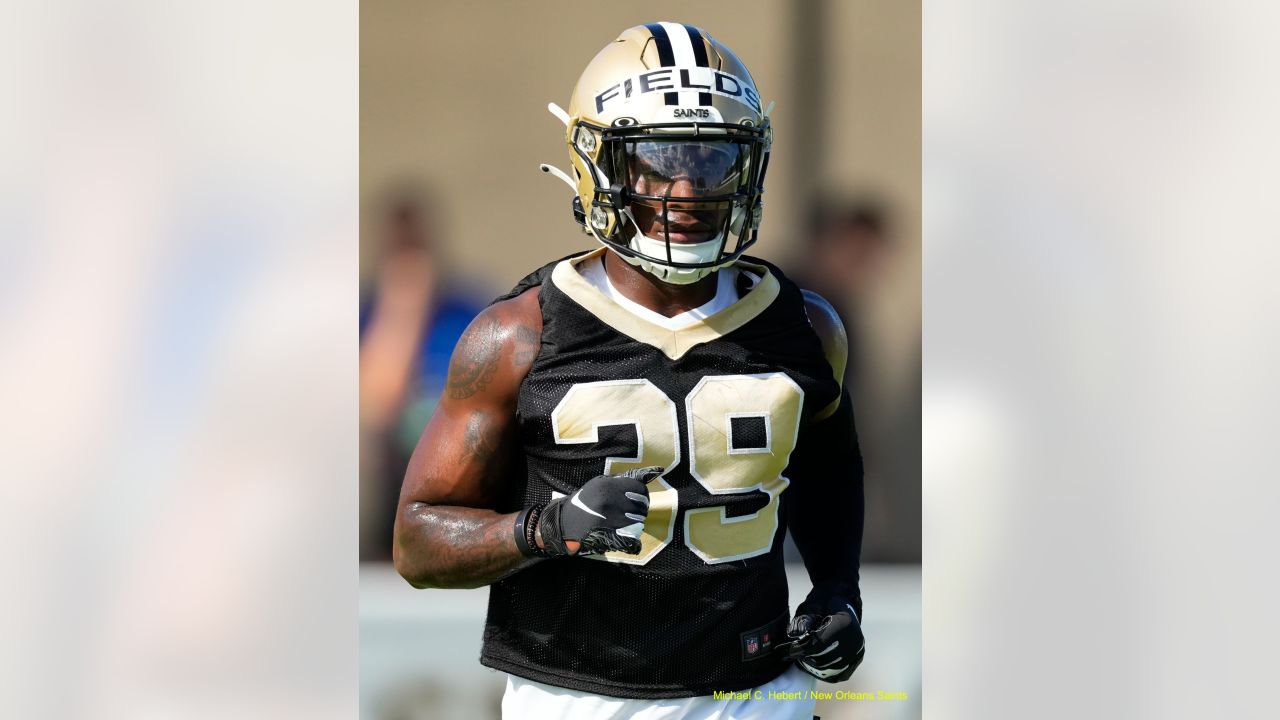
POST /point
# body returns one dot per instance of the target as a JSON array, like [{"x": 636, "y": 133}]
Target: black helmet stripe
[
  {"x": 665, "y": 55},
  {"x": 699, "y": 56}
]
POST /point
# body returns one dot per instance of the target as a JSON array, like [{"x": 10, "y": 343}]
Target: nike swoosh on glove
[
  {"x": 831, "y": 645},
  {"x": 606, "y": 513}
]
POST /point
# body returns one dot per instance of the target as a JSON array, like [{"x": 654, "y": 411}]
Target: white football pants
[{"x": 528, "y": 700}]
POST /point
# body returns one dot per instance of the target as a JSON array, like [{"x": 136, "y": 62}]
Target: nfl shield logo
[{"x": 752, "y": 645}]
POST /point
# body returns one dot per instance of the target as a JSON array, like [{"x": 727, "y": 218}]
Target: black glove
[
  {"x": 827, "y": 636},
  {"x": 606, "y": 513}
]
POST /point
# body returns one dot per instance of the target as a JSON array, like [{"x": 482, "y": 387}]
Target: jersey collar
[{"x": 673, "y": 343}]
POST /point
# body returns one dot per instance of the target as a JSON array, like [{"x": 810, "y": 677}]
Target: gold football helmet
[{"x": 669, "y": 145}]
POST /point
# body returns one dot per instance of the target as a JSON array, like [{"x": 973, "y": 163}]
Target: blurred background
[
  {"x": 178, "y": 232},
  {"x": 454, "y": 211}
]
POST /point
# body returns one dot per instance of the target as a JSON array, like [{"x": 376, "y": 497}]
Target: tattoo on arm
[
  {"x": 476, "y": 359},
  {"x": 479, "y": 354},
  {"x": 469, "y": 547},
  {"x": 468, "y": 457},
  {"x": 479, "y": 444}
]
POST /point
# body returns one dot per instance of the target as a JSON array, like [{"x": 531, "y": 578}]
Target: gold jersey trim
[{"x": 673, "y": 343}]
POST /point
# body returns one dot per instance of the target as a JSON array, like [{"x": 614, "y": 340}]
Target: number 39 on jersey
[{"x": 714, "y": 462}]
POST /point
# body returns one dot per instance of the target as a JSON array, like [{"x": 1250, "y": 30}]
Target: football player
[{"x": 627, "y": 434}]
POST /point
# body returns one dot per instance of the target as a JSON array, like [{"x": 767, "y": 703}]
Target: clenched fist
[
  {"x": 828, "y": 640},
  {"x": 606, "y": 513}
]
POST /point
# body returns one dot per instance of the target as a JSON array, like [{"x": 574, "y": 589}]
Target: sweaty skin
[{"x": 445, "y": 534}]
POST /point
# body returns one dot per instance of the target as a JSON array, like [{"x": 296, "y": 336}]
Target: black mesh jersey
[{"x": 720, "y": 405}]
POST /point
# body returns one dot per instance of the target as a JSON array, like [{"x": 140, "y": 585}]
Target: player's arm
[
  {"x": 825, "y": 515},
  {"x": 446, "y": 534},
  {"x": 826, "y": 508}
]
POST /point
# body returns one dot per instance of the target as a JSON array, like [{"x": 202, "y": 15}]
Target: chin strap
[
  {"x": 673, "y": 276},
  {"x": 665, "y": 273}
]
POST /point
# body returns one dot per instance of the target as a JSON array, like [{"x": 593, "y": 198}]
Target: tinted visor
[{"x": 685, "y": 169}]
